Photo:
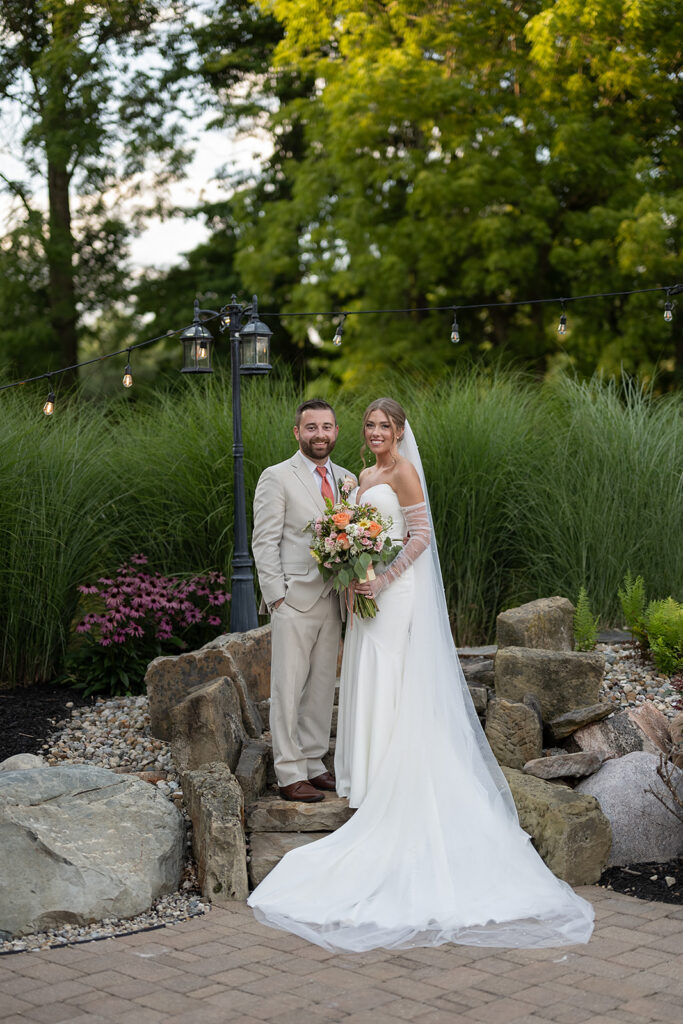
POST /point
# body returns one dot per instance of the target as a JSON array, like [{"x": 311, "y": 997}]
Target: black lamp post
[{"x": 249, "y": 354}]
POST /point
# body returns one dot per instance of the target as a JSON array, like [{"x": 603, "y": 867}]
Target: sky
[{"x": 163, "y": 242}]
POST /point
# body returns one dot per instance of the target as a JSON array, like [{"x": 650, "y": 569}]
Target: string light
[
  {"x": 337, "y": 340},
  {"x": 562, "y": 326},
  {"x": 202, "y": 347},
  {"x": 127, "y": 374},
  {"x": 455, "y": 332},
  {"x": 49, "y": 406}
]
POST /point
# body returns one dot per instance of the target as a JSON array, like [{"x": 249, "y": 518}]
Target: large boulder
[
  {"x": 514, "y": 732},
  {"x": 562, "y": 680},
  {"x": 676, "y": 729},
  {"x": 644, "y": 728},
  {"x": 568, "y": 829},
  {"x": 642, "y": 828},
  {"x": 81, "y": 843},
  {"x": 266, "y": 849},
  {"x": 271, "y": 814},
  {"x": 565, "y": 725},
  {"x": 242, "y": 657},
  {"x": 21, "y": 762},
  {"x": 250, "y": 653},
  {"x": 565, "y": 766},
  {"x": 215, "y": 804},
  {"x": 252, "y": 769},
  {"x": 547, "y": 624},
  {"x": 207, "y": 726}
]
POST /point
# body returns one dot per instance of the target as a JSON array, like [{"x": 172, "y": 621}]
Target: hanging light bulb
[
  {"x": 49, "y": 406},
  {"x": 127, "y": 374},
  {"x": 337, "y": 340},
  {"x": 668, "y": 311},
  {"x": 455, "y": 331},
  {"x": 562, "y": 326},
  {"x": 200, "y": 350}
]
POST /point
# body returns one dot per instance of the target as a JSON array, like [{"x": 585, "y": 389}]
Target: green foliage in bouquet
[
  {"x": 632, "y": 598},
  {"x": 585, "y": 626},
  {"x": 663, "y": 622}
]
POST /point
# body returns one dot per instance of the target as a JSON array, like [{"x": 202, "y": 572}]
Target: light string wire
[{"x": 670, "y": 290}]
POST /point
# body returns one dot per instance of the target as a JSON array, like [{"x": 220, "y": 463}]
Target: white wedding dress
[{"x": 434, "y": 853}]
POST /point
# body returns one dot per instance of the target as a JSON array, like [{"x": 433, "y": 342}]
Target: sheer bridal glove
[{"x": 417, "y": 525}]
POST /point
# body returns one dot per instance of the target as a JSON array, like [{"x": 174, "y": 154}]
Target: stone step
[
  {"x": 272, "y": 814},
  {"x": 268, "y": 848}
]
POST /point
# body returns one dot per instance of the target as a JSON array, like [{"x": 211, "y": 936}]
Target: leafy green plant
[
  {"x": 632, "y": 598},
  {"x": 663, "y": 623},
  {"x": 585, "y": 626}
]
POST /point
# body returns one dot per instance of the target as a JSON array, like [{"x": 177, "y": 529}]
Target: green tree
[
  {"x": 449, "y": 157},
  {"x": 90, "y": 85}
]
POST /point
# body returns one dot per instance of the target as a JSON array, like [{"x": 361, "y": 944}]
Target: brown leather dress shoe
[
  {"x": 301, "y": 791},
  {"x": 325, "y": 781}
]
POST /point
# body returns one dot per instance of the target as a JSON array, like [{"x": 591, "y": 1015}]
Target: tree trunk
[{"x": 60, "y": 253}]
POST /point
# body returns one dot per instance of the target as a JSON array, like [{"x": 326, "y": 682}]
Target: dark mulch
[
  {"x": 647, "y": 881},
  {"x": 29, "y": 715}
]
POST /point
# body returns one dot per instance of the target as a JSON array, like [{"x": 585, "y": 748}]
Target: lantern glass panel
[
  {"x": 197, "y": 343},
  {"x": 248, "y": 350},
  {"x": 262, "y": 349}
]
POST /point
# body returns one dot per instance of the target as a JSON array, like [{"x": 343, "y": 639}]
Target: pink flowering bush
[{"x": 136, "y": 615}]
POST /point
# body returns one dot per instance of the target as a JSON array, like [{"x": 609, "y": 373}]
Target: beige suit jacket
[{"x": 286, "y": 498}]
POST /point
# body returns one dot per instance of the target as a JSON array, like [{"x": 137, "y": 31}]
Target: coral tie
[{"x": 325, "y": 489}]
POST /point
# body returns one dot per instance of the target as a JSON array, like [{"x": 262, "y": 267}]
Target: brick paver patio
[{"x": 224, "y": 967}]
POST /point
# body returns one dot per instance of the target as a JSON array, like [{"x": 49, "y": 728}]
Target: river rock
[
  {"x": 643, "y": 830},
  {"x": 568, "y": 829},
  {"x": 80, "y": 843},
  {"x": 20, "y": 762},
  {"x": 514, "y": 732},
  {"x": 268, "y": 848},
  {"x": 271, "y": 814},
  {"x": 562, "y": 680},
  {"x": 547, "y": 624},
  {"x": 565, "y": 725},
  {"x": 559, "y": 766},
  {"x": 207, "y": 726},
  {"x": 240, "y": 657},
  {"x": 216, "y": 806},
  {"x": 644, "y": 728}
]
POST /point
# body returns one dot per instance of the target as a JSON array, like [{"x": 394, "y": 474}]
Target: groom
[{"x": 305, "y": 611}]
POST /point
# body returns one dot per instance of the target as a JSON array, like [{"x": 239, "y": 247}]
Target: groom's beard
[{"x": 316, "y": 451}]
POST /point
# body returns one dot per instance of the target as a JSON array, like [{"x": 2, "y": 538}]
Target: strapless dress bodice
[{"x": 385, "y": 500}]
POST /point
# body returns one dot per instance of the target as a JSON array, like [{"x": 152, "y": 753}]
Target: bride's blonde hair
[{"x": 396, "y": 415}]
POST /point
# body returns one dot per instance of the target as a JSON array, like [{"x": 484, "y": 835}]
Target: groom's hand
[{"x": 276, "y": 604}]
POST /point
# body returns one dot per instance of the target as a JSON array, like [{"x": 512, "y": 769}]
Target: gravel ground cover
[{"x": 65, "y": 728}]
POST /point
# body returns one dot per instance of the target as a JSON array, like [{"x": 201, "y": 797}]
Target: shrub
[
  {"x": 585, "y": 626},
  {"x": 663, "y": 623},
  {"x": 137, "y": 616}
]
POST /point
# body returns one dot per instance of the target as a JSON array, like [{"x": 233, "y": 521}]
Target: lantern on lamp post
[{"x": 249, "y": 355}]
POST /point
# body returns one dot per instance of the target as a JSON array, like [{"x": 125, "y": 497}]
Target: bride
[{"x": 434, "y": 852}]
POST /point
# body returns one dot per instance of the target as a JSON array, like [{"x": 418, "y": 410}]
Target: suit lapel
[{"x": 305, "y": 478}]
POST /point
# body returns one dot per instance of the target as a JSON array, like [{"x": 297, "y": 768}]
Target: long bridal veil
[{"x": 435, "y": 852}]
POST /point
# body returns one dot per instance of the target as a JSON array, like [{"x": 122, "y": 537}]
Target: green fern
[
  {"x": 663, "y": 622},
  {"x": 585, "y": 626},
  {"x": 632, "y": 598}
]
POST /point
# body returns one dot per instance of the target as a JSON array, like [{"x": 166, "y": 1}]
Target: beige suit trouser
[{"x": 302, "y": 678}]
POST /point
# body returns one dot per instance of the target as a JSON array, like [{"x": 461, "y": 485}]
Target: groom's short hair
[{"x": 313, "y": 403}]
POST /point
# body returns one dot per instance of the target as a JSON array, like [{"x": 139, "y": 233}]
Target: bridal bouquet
[{"x": 348, "y": 541}]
